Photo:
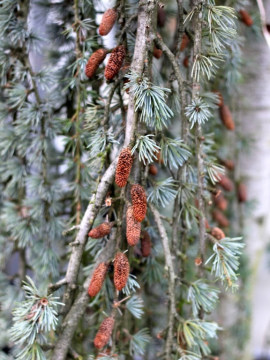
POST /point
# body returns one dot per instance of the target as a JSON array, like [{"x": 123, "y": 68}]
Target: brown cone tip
[
  {"x": 242, "y": 192},
  {"x": 245, "y": 17},
  {"x": 123, "y": 168},
  {"x": 94, "y": 61},
  {"x": 217, "y": 233},
  {"x": 139, "y": 202},
  {"x": 100, "y": 231},
  {"x": 121, "y": 271},
  {"x": 153, "y": 170},
  {"x": 226, "y": 117},
  {"x": 104, "y": 333},
  {"x": 229, "y": 164},
  {"x": 107, "y": 22},
  {"x": 133, "y": 228},
  {"x": 115, "y": 62},
  {"x": 225, "y": 182},
  {"x": 146, "y": 244},
  {"x": 97, "y": 280},
  {"x": 220, "y": 218},
  {"x": 220, "y": 101}
]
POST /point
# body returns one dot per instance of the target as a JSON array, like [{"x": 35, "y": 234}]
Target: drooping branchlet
[
  {"x": 115, "y": 62},
  {"x": 145, "y": 244},
  {"x": 121, "y": 271},
  {"x": 123, "y": 168},
  {"x": 107, "y": 22},
  {"x": 217, "y": 233},
  {"x": 97, "y": 280},
  {"x": 133, "y": 228},
  {"x": 139, "y": 202},
  {"x": 104, "y": 332},
  {"x": 226, "y": 117},
  {"x": 94, "y": 61},
  {"x": 100, "y": 231}
]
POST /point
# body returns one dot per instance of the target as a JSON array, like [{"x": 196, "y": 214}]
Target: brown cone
[
  {"x": 184, "y": 43},
  {"x": 226, "y": 117},
  {"x": 139, "y": 202},
  {"x": 100, "y": 231},
  {"x": 104, "y": 333},
  {"x": 123, "y": 168},
  {"x": 242, "y": 192},
  {"x": 121, "y": 271},
  {"x": 153, "y": 170},
  {"x": 220, "y": 201},
  {"x": 115, "y": 62},
  {"x": 186, "y": 61},
  {"x": 229, "y": 164},
  {"x": 94, "y": 61},
  {"x": 225, "y": 182},
  {"x": 97, "y": 280},
  {"x": 245, "y": 17},
  {"x": 157, "y": 53},
  {"x": 146, "y": 244},
  {"x": 133, "y": 228},
  {"x": 220, "y": 218},
  {"x": 217, "y": 233},
  {"x": 158, "y": 157},
  {"x": 161, "y": 17},
  {"x": 107, "y": 22}
]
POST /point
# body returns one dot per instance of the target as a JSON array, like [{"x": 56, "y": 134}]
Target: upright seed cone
[
  {"x": 184, "y": 42},
  {"x": 139, "y": 202},
  {"x": 220, "y": 218},
  {"x": 161, "y": 17},
  {"x": 94, "y": 61},
  {"x": 221, "y": 202},
  {"x": 242, "y": 192},
  {"x": 146, "y": 244},
  {"x": 225, "y": 182},
  {"x": 97, "y": 280},
  {"x": 115, "y": 62},
  {"x": 245, "y": 17},
  {"x": 226, "y": 117},
  {"x": 123, "y": 168},
  {"x": 121, "y": 271},
  {"x": 107, "y": 22},
  {"x": 104, "y": 332},
  {"x": 100, "y": 231},
  {"x": 157, "y": 53},
  {"x": 133, "y": 228},
  {"x": 153, "y": 170},
  {"x": 217, "y": 233}
]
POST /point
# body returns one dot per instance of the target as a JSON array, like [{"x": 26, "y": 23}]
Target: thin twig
[{"x": 172, "y": 277}]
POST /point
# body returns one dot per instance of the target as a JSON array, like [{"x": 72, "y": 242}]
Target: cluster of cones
[{"x": 135, "y": 214}]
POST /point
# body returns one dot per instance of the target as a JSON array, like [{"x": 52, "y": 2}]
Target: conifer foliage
[{"x": 101, "y": 235}]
